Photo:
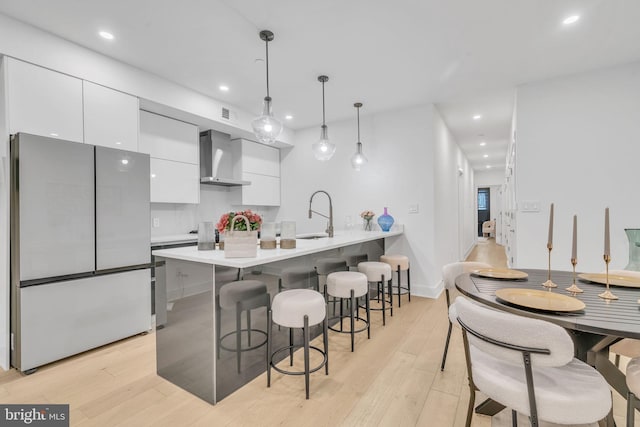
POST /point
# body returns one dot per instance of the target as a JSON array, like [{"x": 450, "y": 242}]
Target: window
[{"x": 483, "y": 197}]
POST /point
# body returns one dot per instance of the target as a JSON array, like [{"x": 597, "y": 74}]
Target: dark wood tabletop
[{"x": 619, "y": 318}]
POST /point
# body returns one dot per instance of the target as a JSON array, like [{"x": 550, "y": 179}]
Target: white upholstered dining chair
[
  {"x": 528, "y": 366},
  {"x": 449, "y": 274},
  {"x": 627, "y": 347}
]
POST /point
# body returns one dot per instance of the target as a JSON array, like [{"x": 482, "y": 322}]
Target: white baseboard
[{"x": 427, "y": 291}]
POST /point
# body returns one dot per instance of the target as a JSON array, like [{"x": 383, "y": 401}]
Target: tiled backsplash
[{"x": 177, "y": 218}]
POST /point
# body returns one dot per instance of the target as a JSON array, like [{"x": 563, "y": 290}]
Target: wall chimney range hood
[{"x": 216, "y": 162}]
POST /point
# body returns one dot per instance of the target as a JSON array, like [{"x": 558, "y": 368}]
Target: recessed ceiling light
[
  {"x": 153, "y": 175},
  {"x": 488, "y": 166},
  {"x": 482, "y": 144},
  {"x": 53, "y": 134},
  {"x": 288, "y": 117},
  {"x": 106, "y": 35},
  {"x": 118, "y": 143},
  {"x": 571, "y": 19},
  {"x": 485, "y": 156},
  {"x": 124, "y": 161},
  {"x": 477, "y": 117},
  {"x": 224, "y": 88}
]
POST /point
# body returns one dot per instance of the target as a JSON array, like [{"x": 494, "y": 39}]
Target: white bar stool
[
  {"x": 399, "y": 263},
  {"x": 379, "y": 273},
  {"x": 351, "y": 285},
  {"x": 633, "y": 382},
  {"x": 241, "y": 295},
  {"x": 354, "y": 260},
  {"x": 298, "y": 308}
]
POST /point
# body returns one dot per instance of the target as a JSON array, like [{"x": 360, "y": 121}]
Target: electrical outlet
[
  {"x": 156, "y": 222},
  {"x": 413, "y": 209}
]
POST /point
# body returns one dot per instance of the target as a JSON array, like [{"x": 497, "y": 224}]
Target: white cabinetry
[
  {"x": 44, "y": 102},
  {"x": 259, "y": 164},
  {"x": 174, "y": 149},
  {"x": 110, "y": 118}
]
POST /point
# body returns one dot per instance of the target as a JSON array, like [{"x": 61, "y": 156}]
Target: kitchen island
[{"x": 188, "y": 350}]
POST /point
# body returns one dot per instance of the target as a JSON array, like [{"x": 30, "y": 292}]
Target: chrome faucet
[{"x": 329, "y": 229}]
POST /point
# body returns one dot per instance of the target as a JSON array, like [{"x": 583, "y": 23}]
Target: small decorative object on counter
[
  {"x": 367, "y": 216},
  {"x": 288, "y": 235},
  {"x": 268, "y": 235},
  {"x": 240, "y": 230},
  {"x": 385, "y": 221},
  {"x": 206, "y": 236},
  {"x": 633, "y": 234}
]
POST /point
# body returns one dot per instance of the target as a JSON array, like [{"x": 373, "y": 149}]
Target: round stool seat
[
  {"x": 290, "y": 307},
  {"x": 340, "y": 284},
  {"x": 396, "y": 261},
  {"x": 375, "y": 270},
  {"x": 633, "y": 376},
  {"x": 226, "y": 274},
  {"x": 241, "y": 290},
  {"x": 329, "y": 265}
]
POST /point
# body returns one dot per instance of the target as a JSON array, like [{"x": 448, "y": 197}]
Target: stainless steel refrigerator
[{"x": 80, "y": 261}]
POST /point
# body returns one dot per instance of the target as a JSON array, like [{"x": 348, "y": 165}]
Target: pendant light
[
  {"x": 358, "y": 159},
  {"x": 323, "y": 149},
  {"x": 266, "y": 127}
]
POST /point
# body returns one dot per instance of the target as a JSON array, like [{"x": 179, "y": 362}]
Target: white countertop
[
  {"x": 174, "y": 238},
  {"x": 304, "y": 247}
]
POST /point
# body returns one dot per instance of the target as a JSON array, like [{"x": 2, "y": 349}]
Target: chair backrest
[
  {"x": 513, "y": 330},
  {"x": 453, "y": 270}
]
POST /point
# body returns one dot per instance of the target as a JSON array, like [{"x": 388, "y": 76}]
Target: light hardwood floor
[{"x": 391, "y": 380}]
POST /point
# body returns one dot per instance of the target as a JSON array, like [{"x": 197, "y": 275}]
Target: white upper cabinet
[
  {"x": 260, "y": 159},
  {"x": 44, "y": 102},
  {"x": 110, "y": 118},
  {"x": 259, "y": 164},
  {"x": 174, "y": 149},
  {"x": 169, "y": 139}
]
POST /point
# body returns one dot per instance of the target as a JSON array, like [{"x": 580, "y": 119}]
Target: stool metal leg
[
  {"x": 325, "y": 336},
  {"x": 631, "y": 403},
  {"x": 238, "y": 332},
  {"x": 305, "y": 331},
  {"x": 368, "y": 316},
  {"x": 409, "y": 282},
  {"x": 390, "y": 283},
  {"x": 446, "y": 343},
  {"x": 269, "y": 337},
  {"x": 291, "y": 347},
  {"x": 353, "y": 303},
  {"x": 384, "y": 308},
  {"x": 249, "y": 328},
  {"x": 399, "y": 286}
]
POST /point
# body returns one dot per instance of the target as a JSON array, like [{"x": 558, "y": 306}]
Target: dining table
[{"x": 593, "y": 328}]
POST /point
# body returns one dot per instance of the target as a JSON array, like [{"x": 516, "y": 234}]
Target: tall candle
[
  {"x": 550, "y": 240},
  {"x": 574, "y": 247},
  {"x": 607, "y": 246}
]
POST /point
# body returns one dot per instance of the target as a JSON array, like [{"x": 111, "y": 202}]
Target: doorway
[{"x": 484, "y": 207}]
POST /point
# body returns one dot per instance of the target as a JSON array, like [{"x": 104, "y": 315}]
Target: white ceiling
[{"x": 464, "y": 55}]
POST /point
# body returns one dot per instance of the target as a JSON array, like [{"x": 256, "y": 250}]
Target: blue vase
[{"x": 385, "y": 221}]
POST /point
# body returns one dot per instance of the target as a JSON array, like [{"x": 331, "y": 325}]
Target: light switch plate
[
  {"x": 413, "y": 209},
  {"x": 530, "y": 206},
  {"x": 156, "y": 222}
]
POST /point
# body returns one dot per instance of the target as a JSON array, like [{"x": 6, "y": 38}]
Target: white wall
[
  {"x": 454, "y": 196},
  {"x": 489, "y": 178},
  {"x": 578, "y": 146},
  {"x": 399, "y": 147}
]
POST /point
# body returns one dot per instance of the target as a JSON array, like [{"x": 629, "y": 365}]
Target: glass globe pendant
[
  {"x": 358, "y": 159},
  {"x": 323, "y": 149},
  {"x": 266, "y": 127}
]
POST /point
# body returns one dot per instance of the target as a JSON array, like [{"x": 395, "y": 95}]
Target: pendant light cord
[
  {"x": 267, "y": 57},
  {"x": 358, "y": 110},
  {"x": 323, "y": 104}
]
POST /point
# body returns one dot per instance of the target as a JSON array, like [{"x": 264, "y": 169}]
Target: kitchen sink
[{"x": 312, "y": 236}]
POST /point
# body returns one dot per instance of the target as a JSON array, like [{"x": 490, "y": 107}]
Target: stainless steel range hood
[{"x": 216, "y": 163}]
